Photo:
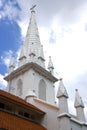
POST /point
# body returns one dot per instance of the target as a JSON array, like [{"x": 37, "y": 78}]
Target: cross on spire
[{"x": 32, "y": 8}]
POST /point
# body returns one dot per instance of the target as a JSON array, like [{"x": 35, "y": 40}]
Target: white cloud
[
  {"x": 68, "y": 55},
  {"x": 3, "y": 83},
  {"x": 23, "y": 25},
  {"x": 9, "y": 10},
  {"x": 69, "y": 51},
  {"x": 0, "y": 17},
  {"x": 1, "y": 3},
  {"x": 70, "y": 37},
  {"x": 6, "y": 57}
]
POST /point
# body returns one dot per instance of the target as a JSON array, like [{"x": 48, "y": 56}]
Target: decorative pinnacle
[
  {"x": 62, "y": 90},
  {"x": 78, "y": 100},
  {"x": 12, "y": 63},
  {"x": 76, "y": 90},
  {"x": 32, "y": 8}
]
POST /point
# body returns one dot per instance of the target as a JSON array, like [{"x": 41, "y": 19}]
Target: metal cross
[{"x": 32, "y": 8}]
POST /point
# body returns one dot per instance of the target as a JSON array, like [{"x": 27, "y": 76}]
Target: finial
[
  {"x": 78, "y": 104},
  {"x": 62, "y": 90},
  {"x": 76, "y": 90},
  {"x": 32, "y": 8},
  {"x": 78, "y": 100},
  {"x": 50, "y": 64},
  {"x": 11, "y": 64}
]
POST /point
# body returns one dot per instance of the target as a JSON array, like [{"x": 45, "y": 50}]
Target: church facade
[{"x": 31, "y": 88}]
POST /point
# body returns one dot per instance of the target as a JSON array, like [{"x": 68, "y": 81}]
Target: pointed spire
[
  {"x": 78, "y": 100},
  {"x": 32, "y": 43},
  {"x": 62, "y": 96},
  {"x": 32, "y": 8},
  {"x": 11, "y": 64},
  {"x": 22, "y": 53},
  {"x": 79, "y": 107},
  {"x": 50, "y": 65},
  {"x": 22, "y": 56},
  {"x": 41, "y": 56},
  {"x": 62, "y": 90}
]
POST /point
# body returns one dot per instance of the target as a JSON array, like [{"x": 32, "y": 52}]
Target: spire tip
[
  {"x": 76, "y": 90},
  {"x": 32, "y": 8}
]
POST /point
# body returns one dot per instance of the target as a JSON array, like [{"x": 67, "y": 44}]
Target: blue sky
[
  {"x": 10, "y": 33},
  {"x": 10, "y": 39},
  {"x": 63, "y": 33}
]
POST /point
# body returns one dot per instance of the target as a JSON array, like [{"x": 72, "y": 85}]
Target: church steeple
[
  {"x": 79, "y": 107},
  {"x": 31, "y": 78},
  {"x": 11, "y": 64},
  {"x": 32, "y": 44},
  {"x": 78, "y": 100},
  {"x": 62, "y": 95},
  {"x": 62, "y": 90},
  {"x": 50, "y": 65}
]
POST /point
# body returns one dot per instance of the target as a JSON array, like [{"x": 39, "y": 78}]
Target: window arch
[
  {"x": 42, "y": 90},
  {"x": 19, "y": 87}
]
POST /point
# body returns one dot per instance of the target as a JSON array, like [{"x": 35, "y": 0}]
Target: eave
[
  {"x": 18, "y": 101},
  {"x": 28, "y": 66}
]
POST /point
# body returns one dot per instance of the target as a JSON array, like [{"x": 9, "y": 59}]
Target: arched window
[
  {"x": 19, "y": 87},
  {"x": 42, "y": 90}
]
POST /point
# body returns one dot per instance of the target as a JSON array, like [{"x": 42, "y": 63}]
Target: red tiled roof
[
  {"x": 12, "y": 122},
  {"x": 20, "y": 101}
]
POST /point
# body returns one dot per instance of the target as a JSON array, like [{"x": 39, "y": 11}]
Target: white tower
[
  {"x": 11, "y": 64},
  {"x": 64, "y": 117},
  {"x": 22, "y": 57},
  {"x": 31, "y": 79},
  {"x": 50, "y": 65},
  {"x": 79, "y": 107},
  {"x": 62, "y": 96}
]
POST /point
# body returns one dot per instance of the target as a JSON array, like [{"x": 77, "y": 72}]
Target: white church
[{"x": 34, "y": 83}]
